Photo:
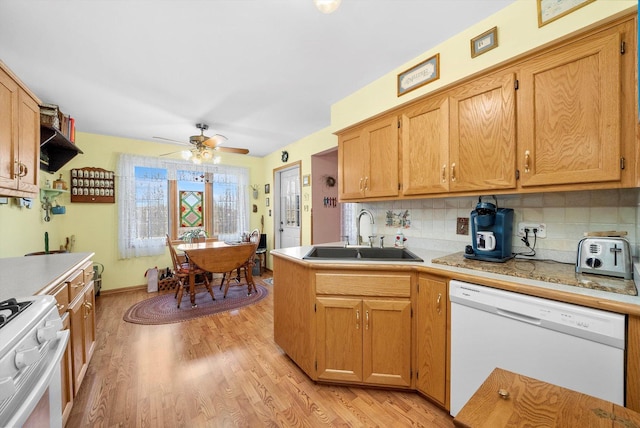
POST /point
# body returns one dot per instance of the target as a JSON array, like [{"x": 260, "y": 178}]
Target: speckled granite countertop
[{"x": 554, "y": 272}]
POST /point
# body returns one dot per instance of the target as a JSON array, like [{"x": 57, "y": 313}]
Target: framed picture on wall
[
  {"x": 266, "y": 201},
  {"x": 267, "y": 189},
  {"x": 550, "y": 10},
  {"x": 484, "y": 42}
]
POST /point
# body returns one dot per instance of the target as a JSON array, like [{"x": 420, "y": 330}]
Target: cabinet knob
[
  {"x": 444, "y": 173},
  {"x": 357, "y": 319},
  {"x": 527, "y": 156},
  {"x": 453, "y": 172}
]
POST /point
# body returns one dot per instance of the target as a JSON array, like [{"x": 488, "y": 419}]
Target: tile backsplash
[{"x": 567, "y": 216}]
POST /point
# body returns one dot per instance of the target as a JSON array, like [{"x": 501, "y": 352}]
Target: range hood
[{"x": 55, "y": 149}]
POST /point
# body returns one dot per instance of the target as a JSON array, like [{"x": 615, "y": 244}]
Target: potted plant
[{"x": 194, "y": 235}]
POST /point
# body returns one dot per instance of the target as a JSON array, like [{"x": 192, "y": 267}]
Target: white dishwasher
[{"x": 567, "y": 345}]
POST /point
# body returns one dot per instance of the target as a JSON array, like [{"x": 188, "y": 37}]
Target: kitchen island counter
[{"x": 27, "y": 276}]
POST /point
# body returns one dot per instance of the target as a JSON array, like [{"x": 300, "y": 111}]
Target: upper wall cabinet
[
  {"x": 425, "y": 147},
  {"x": 368, "y": 160},
  {"x": 19, "y": 138},
  {"x": 562, "y": 119},
  {"x": 483, "y": 134},
  {"x": 569, "y": 113}
]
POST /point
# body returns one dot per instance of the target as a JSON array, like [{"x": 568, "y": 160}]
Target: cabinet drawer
[
  {"x": 391, "y": 285},
  {"x": 75, "y": 282},
  {"x": 88, "y": 272},
  {"x": 61, "y": 293}
]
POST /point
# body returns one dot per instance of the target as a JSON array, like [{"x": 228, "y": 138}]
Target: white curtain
[{"x": 132, "y": 243}]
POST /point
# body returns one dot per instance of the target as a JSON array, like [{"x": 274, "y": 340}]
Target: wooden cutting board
[{"x": 533, "y": 403}]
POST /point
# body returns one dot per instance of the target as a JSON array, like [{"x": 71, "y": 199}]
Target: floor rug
[{"x": 163, "y": 309}]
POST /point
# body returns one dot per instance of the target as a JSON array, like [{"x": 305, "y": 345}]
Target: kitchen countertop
[
  {"x": 546, "y": 271},
  {"x": 27, "y": 276},
  {"x": 545, "y": 285}
]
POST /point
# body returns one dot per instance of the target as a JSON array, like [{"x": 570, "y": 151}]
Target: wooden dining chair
[
  {"x": 246, "y": 268},
  {"x": 182, "y": 270}
]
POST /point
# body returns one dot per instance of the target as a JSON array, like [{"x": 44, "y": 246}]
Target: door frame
[{"x": 277, "y": 172}]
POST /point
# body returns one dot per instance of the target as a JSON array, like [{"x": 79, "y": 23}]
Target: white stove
[{"x": 32, "y": 344}]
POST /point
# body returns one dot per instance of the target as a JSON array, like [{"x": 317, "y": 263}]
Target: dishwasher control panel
[{"x": 592, "y": 324}]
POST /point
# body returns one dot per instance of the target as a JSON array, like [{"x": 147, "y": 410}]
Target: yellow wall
[{"x": 95, "y": 225}]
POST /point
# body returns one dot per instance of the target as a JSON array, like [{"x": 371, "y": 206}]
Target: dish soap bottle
[{"x": 400, "y": 239}]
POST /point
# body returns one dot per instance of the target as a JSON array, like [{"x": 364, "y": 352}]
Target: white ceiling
[{"x": 262, "y": 72}]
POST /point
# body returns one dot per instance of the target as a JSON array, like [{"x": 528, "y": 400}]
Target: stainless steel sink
[{"x": 362, "y": 254}]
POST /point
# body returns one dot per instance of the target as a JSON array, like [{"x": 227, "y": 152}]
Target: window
[{"x": 157, "y": 197}]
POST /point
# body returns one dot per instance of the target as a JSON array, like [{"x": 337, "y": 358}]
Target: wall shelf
[{"x": 48, "y": 195}]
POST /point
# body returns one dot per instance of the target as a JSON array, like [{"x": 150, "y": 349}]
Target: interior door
[{"x": 288, "y": 208}]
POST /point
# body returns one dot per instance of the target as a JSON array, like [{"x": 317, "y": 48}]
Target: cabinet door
[
  {"x": 569, "y": 114},
  {"x": 387, "y": 342},
  {"x": 28, "y": 142},
  {"x": 89, "y": 321},
  {"x": 352, "y": 165},
  {"x": 78, "y": 358},
  {"x": 66, "y": 375},
  {"x": 431, "y": 337},
  {"x": 483, "y": 134},
  {"x": 8, "y": 131},
  {"x": 339, "y": 339},
  {"x": 425, "y": 147},
  {"x": 382, "y": 141}
]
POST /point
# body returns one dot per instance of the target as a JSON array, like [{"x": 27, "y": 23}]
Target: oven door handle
[{"x": 50, "y": 376}]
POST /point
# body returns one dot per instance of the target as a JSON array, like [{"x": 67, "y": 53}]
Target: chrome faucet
[{"x": 360, "y": 214}]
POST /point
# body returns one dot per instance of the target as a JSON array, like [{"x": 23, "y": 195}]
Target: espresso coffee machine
[{"x": 491, "y": 232}]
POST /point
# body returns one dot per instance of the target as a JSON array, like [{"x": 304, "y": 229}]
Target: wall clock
[{"x": 285, "y": 156}]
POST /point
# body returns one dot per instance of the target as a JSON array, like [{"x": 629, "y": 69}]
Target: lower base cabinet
[
  {"x": 431, "y": 344},
  {"x": 65, "y": 374},
  {"x": 364, "y": 341},
  {"x": 82, "y": 318}
]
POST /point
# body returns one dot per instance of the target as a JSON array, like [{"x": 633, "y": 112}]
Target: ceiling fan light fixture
[
  {"x": 206, "y": 154},
  {"x": 186, "y": 154},
  {"x": 327, "y": 6}
]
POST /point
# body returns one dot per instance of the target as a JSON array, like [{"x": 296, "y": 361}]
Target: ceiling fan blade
[
  {"x": 231, "y": 150},
  {"x": 171, "y": 153},
  {"x": 173, "y": 141},
  {"x": 214, "y": 140}
]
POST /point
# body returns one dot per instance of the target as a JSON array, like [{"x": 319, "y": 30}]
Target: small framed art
[
  {"x": 484, "y": 42},
  {"x": 267, "y": 189},
  {"x": 418, "y": 75},
  {"x": 306, "y": 180},
  {"x": 550, "y": 10}
]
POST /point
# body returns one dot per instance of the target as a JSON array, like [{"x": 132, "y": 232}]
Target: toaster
[{"x": 605, "y": 256}]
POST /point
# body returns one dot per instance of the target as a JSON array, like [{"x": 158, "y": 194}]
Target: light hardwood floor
[{"x": 221, "y": 371}]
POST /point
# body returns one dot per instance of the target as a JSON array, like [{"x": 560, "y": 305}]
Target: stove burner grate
[{"x": 10, "y": 308}]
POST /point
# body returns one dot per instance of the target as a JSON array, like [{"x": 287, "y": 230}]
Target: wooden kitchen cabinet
[
  {"x": 569, "y": 112},
  {"x": 361, "y": 338},
  {"x": 364, "y": 341},
  {"x": 431, "y": 338},
  {"x": 368, "y": 160},
  {"x": 482, "y": 147},
  {"x": 19, "y": 137},
  {"x": 425, "y": 147},
  {"x": 82, "y": 319},
  {"x": 66, "y": 375}
]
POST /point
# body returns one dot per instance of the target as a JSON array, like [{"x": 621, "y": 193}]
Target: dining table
[{"x": 218, "y": 257}]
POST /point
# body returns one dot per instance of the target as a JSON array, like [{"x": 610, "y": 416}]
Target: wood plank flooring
[{"x": 223, "y": 370}]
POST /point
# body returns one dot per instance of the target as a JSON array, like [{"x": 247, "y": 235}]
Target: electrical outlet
[
  {"x": 462, "y": 226},
  {"x": 541, "y": 233}
]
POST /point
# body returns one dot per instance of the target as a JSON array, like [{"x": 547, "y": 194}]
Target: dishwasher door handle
[{"x": 519, "y": 317}]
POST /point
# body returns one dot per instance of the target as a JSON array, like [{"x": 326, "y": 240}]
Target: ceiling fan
[{"x": 203, "y": 146}]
